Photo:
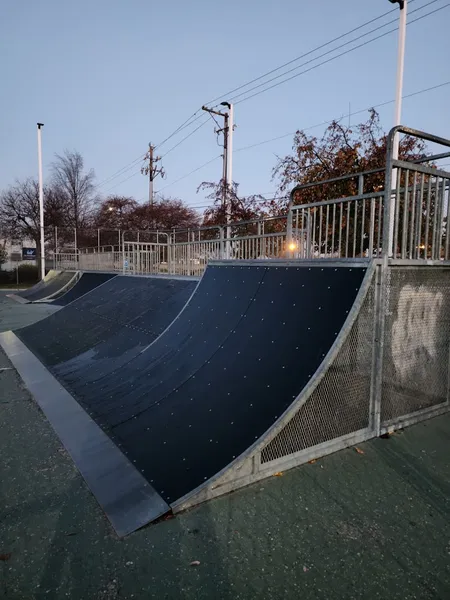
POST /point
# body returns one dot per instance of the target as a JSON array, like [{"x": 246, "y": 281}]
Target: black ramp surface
[
  {"x": 164, "y": 300},
  {"x": 235, "y": 359},
  {"x": 44, "y": 289},
  {"x": 86, "y": 283},
  {"x": 123, "y": 302},
  {"x": 218, "y": 305}
]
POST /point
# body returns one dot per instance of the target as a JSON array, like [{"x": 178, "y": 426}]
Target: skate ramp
[
  {"x": 54, "y": 283},
  {"x": 85, "y": 284}
]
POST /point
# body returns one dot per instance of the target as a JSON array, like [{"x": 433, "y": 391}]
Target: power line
[
  {"x": 326, "y": 53},
  {"x": 195, "y": 116},
  {"x": 180, "y": 128},
  {"x": 334, "y": 57},
  {"x": 120, "y": 171},
  {"x": 303, "y": 55},
  {"x": 434, "y": 87},
  {"x": 190, "y": 173},
  {"x": 185, "y": 138},
  {"x": 416, "y": 93},
  {"x": 123, "y": 181},
  {"x": 143, "y": 157}
]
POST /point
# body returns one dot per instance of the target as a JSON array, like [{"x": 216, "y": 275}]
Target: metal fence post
[
  {"x": 222, "y": 249},
  {"x": 289, "y": 232},
  {"x": 382, "y": 295},
  {"x": 56, "y": 247},
  {"x": 98, "y": 240},
  {"x": 376, "y": 383},
  {"x": 169, "y": 243}
]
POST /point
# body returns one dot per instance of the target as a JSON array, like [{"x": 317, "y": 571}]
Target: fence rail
[{"x": 408, "y": 219}]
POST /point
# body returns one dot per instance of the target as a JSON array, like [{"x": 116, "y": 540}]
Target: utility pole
[
  {"x": 41, "y": 199},
  {"x": 227, "y": 172},
  {"x": 152, "y": 170},
  {"x": 398, "y": 110}
]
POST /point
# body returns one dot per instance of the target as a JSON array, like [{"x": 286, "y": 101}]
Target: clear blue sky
[{"x": 107, "y": 77}]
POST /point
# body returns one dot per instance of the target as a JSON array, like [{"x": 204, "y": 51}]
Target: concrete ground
[
  {"x": 14, "y": 315},
  {"x": 353, "y": 525}
]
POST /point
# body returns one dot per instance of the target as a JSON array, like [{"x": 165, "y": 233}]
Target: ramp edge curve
[{"x": 247, "y": 469}]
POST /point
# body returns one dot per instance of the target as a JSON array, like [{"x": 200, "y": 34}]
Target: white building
[{"x": 16, "y": 251}]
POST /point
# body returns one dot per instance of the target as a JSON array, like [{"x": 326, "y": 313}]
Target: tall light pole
[
  {"x": 229, "y": 169},
  {"x": 398, "y": 109},
  {"x": 41, "y": 198},
  {"x": 400, "y": 67}
]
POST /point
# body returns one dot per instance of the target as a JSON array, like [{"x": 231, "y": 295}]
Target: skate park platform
[
  {"x": 205, "y": 404},
  {"x": 266, "y": 366}
]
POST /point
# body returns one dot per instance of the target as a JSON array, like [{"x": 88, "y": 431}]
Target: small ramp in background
[
  {"x": 123, "y": 315},
  {"x": 196, "y": 398},
  {"x": 55, "y": 283},
  {"x": 86, "y": 283}
]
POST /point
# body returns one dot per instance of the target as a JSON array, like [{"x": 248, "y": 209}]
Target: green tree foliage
[{"x": 340, "y": 151}]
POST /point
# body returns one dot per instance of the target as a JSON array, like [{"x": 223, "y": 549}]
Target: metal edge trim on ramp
[
  {"x": 128, "y": 500},
  {"x": 244, "y": 470}
]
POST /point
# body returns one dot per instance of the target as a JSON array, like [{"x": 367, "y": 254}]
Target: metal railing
[
  {"x": 422, "y": 213},
  {"x": 416, "y": 204},
  {"x": 406, "y": 218},
  {"x": 343, "y": 228},
  {"x": 67, "y": 261}
]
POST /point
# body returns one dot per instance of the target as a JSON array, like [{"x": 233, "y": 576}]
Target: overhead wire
[
  {"x": 120, "y": 171},
  {"x": 190, "y": 173},
  {"x": 328, "y": 122},
  {"x": 183, "y": 125},
  {"x": 123, "y": 181},
  {"x": 304, "y": 55},
  {"x": 195, "y": 116},
  {"x": 332, "y": 50},
  {"x": 332, "y": 58},
  {"x": 357, "y": 112},
  {"x": 185, "y": 138}
]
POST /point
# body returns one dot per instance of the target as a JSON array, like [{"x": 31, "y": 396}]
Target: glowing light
[{"x": 292, "y": 246}]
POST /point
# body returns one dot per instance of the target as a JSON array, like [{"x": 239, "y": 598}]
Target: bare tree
[
  {"x": 75, "y": 186},
  {"x": 19, "y": 211},
  {"x": 3, "y": 254},
  {"x": 241, "y": 208}
]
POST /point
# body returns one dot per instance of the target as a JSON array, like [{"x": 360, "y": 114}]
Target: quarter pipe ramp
[
  {"x": 86, "y": 283},
  {"x": 193, "y": 400},
  {"x": 54, "y": 283}
]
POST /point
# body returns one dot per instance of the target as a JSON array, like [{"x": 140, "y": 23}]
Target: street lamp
[
  {"x": 398, "y": 111},
  {"x": 41, "y": 199},
  {"x": 400, "y": 67}
]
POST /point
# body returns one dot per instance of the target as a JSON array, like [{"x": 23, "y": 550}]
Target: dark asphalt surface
[{"x": 350, "y": 526}]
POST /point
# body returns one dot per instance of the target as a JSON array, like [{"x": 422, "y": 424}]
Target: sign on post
[{"x": 29, "y": 254}]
